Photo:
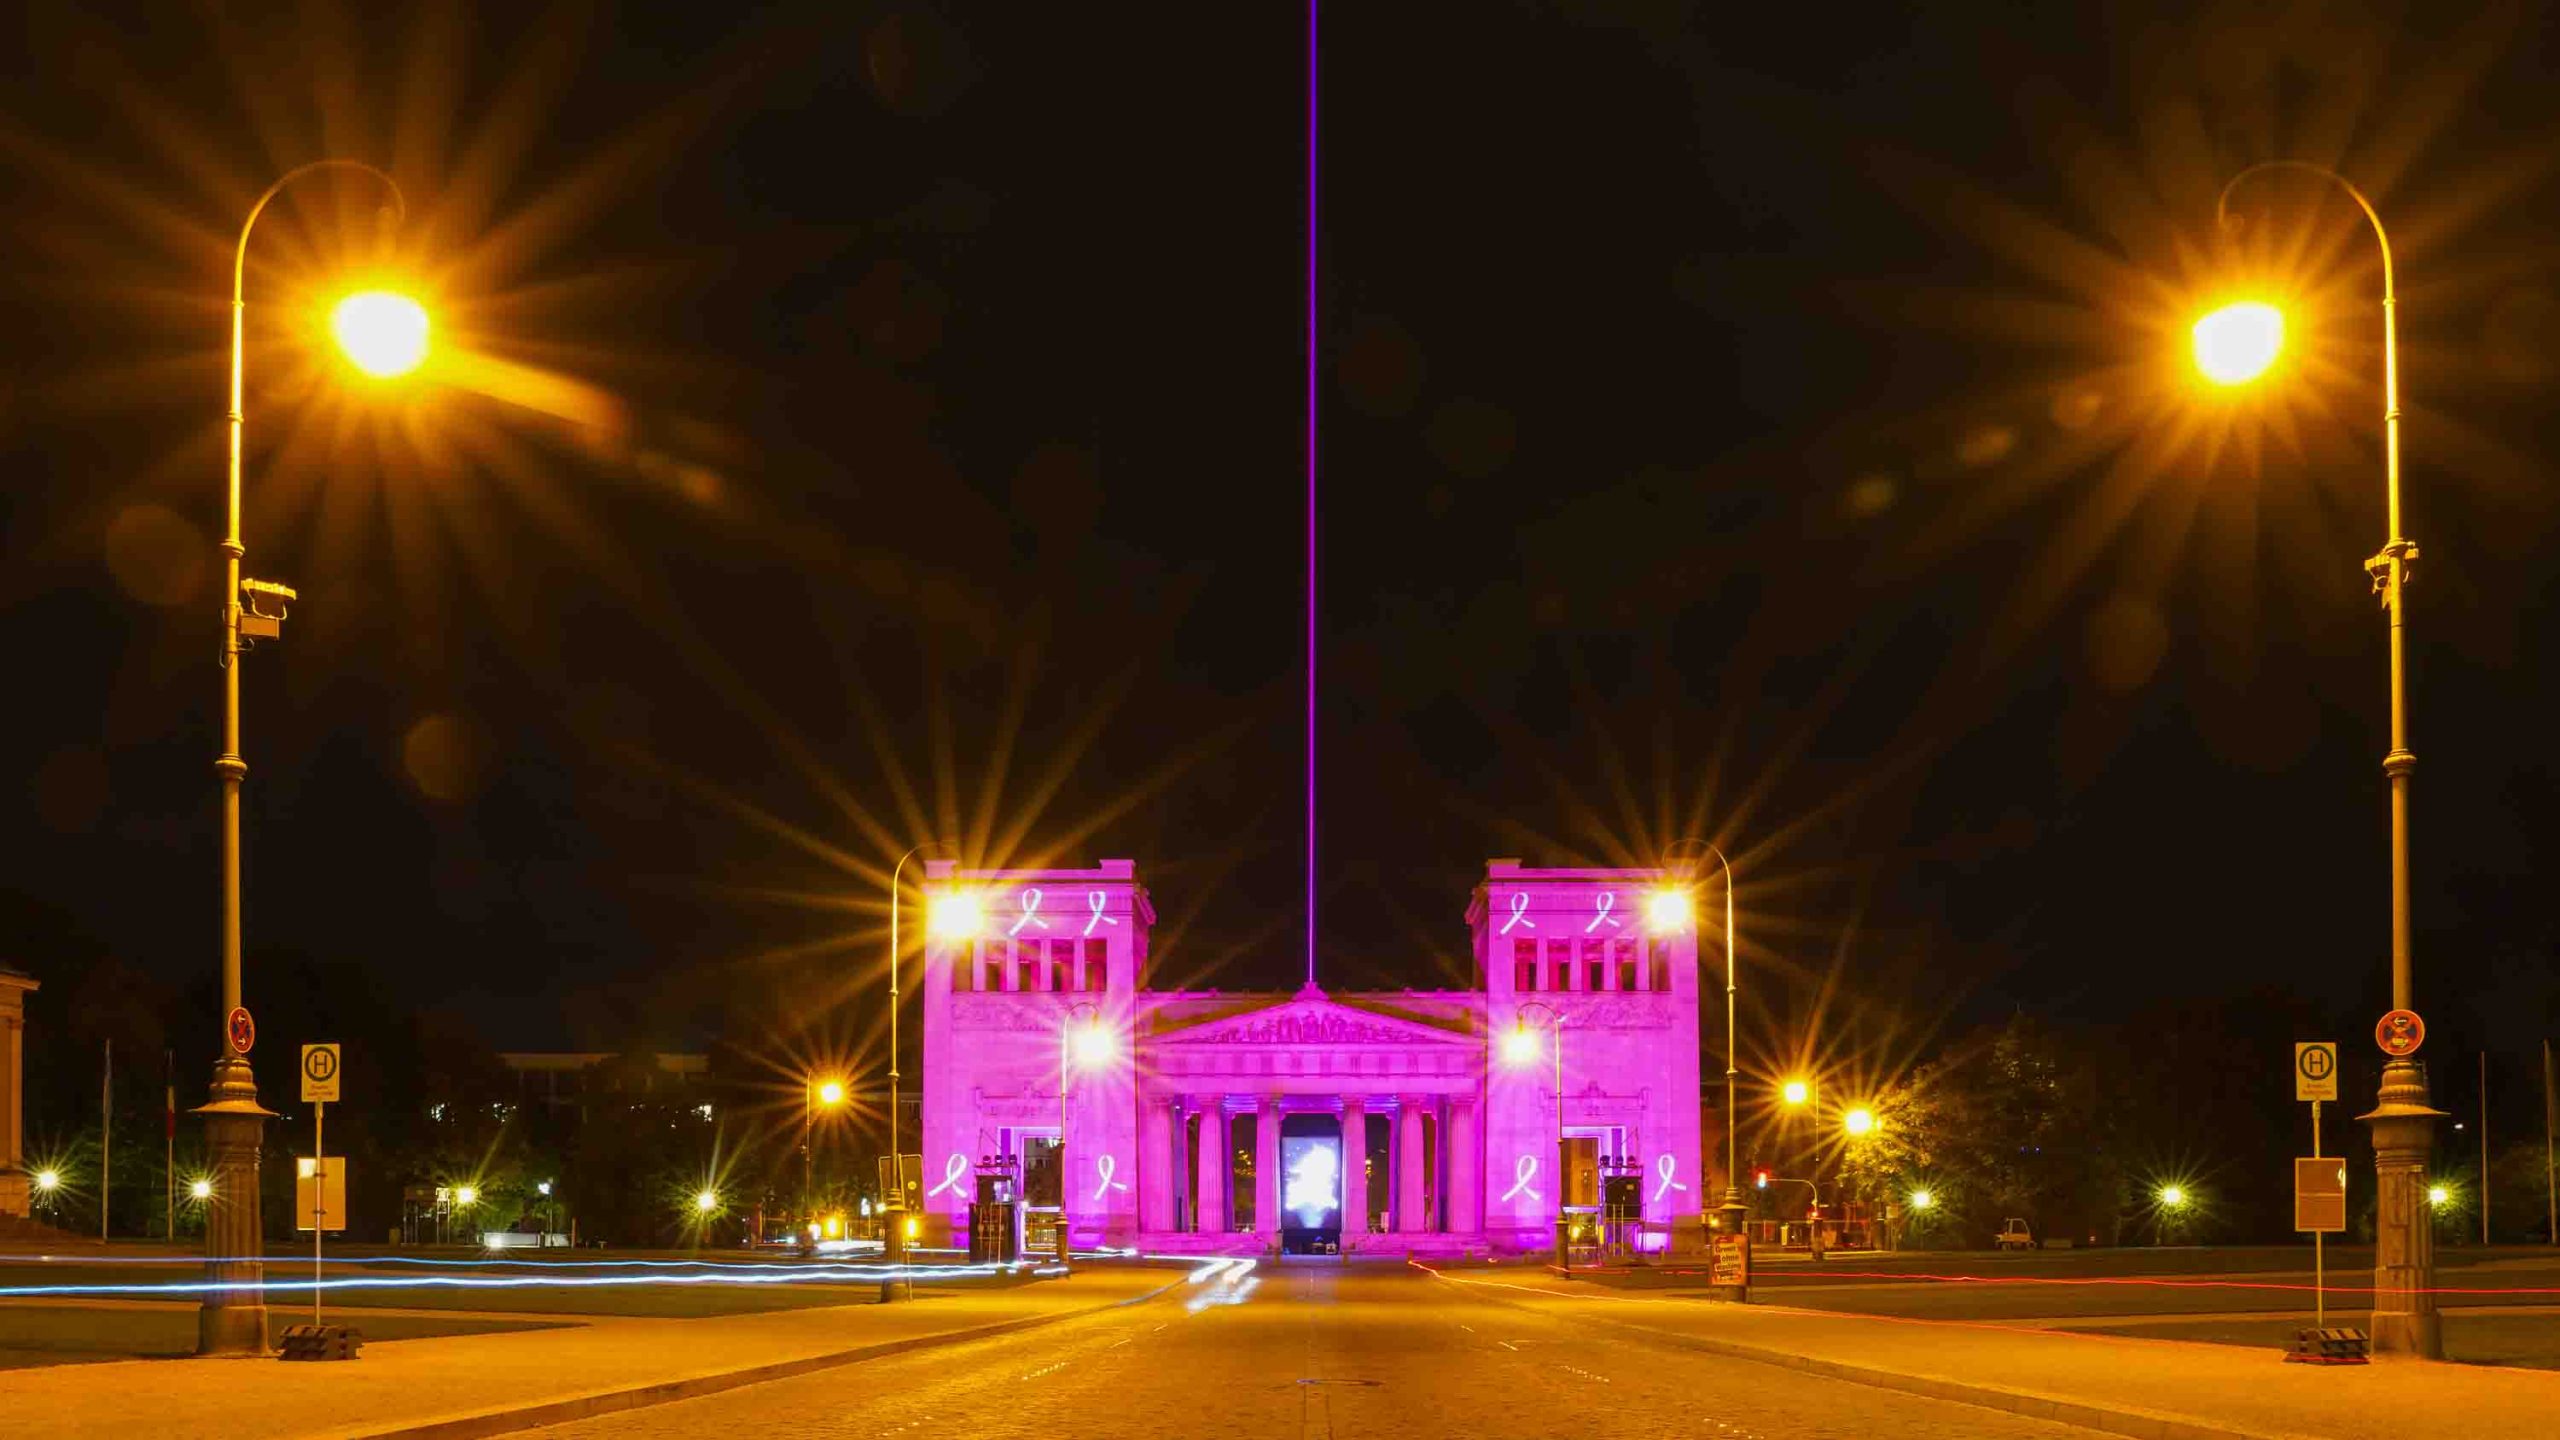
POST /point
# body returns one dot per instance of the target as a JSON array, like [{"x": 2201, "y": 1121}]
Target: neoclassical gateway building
[{"x": 1211, "y": 1121}]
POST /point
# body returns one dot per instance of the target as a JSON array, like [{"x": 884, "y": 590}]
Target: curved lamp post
[
  {"x": 1733, "y": 1208},
  {"x": 233, "y": 1317},
  {"x": 1519, "y": 1048},
  {"x": 894, "y": 1245},
  {"x": 2404, "y": 1310},
  {"x": 1088, "y": 1047}
]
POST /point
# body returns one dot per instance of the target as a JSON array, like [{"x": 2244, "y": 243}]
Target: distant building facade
[
  {"x": 15, "y": 1192},
  {"x": 1209, "y": 1121}
]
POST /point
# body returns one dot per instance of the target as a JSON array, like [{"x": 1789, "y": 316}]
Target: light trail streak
[{"x": 864, "y": 1274}]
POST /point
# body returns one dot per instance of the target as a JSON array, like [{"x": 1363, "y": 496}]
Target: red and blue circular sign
[
  {"x": 241, "y": 1030},
  {"x": 2400, "y": 1033}
]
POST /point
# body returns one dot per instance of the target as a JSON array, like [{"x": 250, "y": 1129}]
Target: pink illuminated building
[{"x": 1211, "y": 1121}]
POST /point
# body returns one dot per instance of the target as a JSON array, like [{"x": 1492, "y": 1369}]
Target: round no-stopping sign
[
  {"x": 2400, "y": 1033},
  {"x": 242, "y": 1030}
]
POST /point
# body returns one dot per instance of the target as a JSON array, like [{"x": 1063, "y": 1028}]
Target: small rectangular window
[
  {"x": 1097, "y": 964},
  {"x": 1524, "y": 964},
  {"x": 1626, "y": 957},
  {"x": 1562, "y": 973}
]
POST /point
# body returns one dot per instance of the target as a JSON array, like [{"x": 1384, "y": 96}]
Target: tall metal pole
[
  {"x": 106, "y": 1135},
  {"x": 169, "y": 1141},
  {"x": 2550, "y": 1171},
  {"x": 2404, "y": 1309},
  {"x": 2484, "y": 1147},
  {"x": 1066, "y": 1018},
  {"x": 894, "y": 1241},
  {"x": 233, "y": 1317}
]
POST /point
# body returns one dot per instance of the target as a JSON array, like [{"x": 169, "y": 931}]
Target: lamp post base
[
  {"x": 233, "y": 1320},
  {"x": 2404, "y": 1321}
]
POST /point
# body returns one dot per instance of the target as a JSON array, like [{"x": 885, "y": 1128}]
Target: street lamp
[
  {"x": 1090, "y": 1048},
  {"x": 1860, "y": 1122},
  {"x": 200, "y": 1190},
  {"x": 894, "y": 1247},
  {"x": 813, "y": 1093},
  {"x": 2236, "y": 344},
  {"x": 1520, "y": 1048},
  {"x": 2404, "y": 1307},
  {"x": 1733, "y": 1206},
  {"x": 232, "y": 1319}
]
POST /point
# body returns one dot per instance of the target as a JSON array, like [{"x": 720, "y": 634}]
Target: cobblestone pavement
[{"x": 1318, "y": 1351}]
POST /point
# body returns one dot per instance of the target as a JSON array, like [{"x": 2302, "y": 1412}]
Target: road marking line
[{"x": 1505, "y": 1344}]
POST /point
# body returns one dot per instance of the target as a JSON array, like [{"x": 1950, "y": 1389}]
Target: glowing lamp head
[
  {"x": 200, "y": 1189},
  {"x": 954, "y": 915},
  {"x": 1796, "y": 1092},
  {"x": 466, "y": 1195},
  {"x": 1861, "y": 1121},
  {"x": 382, "y": 334},
  {"x": 913, "y": 1229},
  {"x": 831, "y": 1093},
  {"x": 705, "y": 1202},
  {"x": 1667, "y": 911},
  {"x": 2439, "y": 1196},
  {"x": 1092, "y": 1045},
  {"x": 835, "y": 1227},
  {"x": 1520, "y": 1044},
  {"x": 1922, "y": 1199},
  {"x": 542, "y": 1188},
  {"x": 2236, "y": 344},
  {"x": 48, "y": 1180},
  {"x": 2173, "y": 1196}
]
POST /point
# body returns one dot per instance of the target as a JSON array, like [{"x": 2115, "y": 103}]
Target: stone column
[
  {"x": 1355, "y": 1166},
  {"x": 1466, "y": 1168},
  {"x": 1159, "y": 1165},
  {"x": 1212, "y": 1157},
  {"x": 1412, "y": 1164},
  {"x": 233, "y": 1322},
  {"x": 2405, "y": 1321},
  {"x": 1266, "y": 1169}
]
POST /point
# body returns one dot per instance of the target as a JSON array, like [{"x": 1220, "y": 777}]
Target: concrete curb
[
  {"x": 2140, "y": 1424},
  {"x": 607, "y": 1402}
]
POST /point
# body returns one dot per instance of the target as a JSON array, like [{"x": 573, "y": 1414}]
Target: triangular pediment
[{"x": 1309, "y": 1020}]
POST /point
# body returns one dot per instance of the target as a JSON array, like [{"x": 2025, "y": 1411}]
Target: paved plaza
[{"x": 1231, "y": 1347}]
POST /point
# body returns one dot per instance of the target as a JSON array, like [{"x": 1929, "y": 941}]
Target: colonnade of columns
[{"x": 1185, "y": 1144}]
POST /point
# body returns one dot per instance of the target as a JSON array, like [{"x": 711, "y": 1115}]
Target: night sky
[{"x": 1776, "y": 436}]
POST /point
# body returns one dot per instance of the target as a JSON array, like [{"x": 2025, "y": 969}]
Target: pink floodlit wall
[
  {"x": 1577, "y": 944},
  {"x": 1161, "y": 1132},
  {"x": 1052, "y": 948}
]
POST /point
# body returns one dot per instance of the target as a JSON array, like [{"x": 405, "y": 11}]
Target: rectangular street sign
[
  {"x": 2320, "y": 1194},
  {"x": 907, "y": 1196},
  {"x": 315, "y": 1182},
  {"x": 320, "y": 1074},
  {"x": 1729, "y": 1260},
  {"x": 2315, "y": 1070}
]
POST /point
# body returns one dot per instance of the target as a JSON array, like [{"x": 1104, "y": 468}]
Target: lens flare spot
[
  {"x": 383, "y": 334},
  {"x": 155, "y": 556},
  {"x": 2237, "y": 343}
]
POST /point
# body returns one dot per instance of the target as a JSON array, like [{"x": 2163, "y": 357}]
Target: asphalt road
[{"x": 1316, "y": 1350}]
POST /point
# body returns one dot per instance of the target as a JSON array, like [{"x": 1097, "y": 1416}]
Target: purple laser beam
[{"x": 1311, "y": 493}]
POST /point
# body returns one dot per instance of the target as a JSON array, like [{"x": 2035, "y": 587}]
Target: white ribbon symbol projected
[
  {"x": 1521, "y": 1175},
  {"x": 1663, "y": 1166},
  {"x": 1519, "y": 912},
  {"x": 953, "y": 1172},
  {"x": 1095, "y": 898},
  {"x": 1030, "y": 913},
  {"x": 1103, "y": 1166},
  {"x": 1608, "y": 902}
]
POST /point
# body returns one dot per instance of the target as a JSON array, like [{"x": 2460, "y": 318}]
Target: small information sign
[
  {"x": 1729, "y": 1261},
  {"x": 320, "y": 1184},
  {"x": 2315, "y": 1070},
  {"x": 2320, "y": 1195},
  {"x": 320, "y": 1073}
]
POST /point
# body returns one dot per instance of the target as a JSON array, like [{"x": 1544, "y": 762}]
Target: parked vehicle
[{"x": 2014, "y": 1235}]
